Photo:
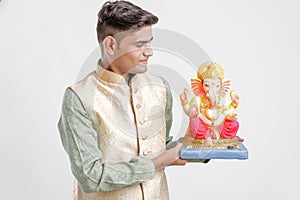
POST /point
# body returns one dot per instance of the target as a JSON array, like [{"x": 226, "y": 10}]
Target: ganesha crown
[{"x": 210, "y": 70}]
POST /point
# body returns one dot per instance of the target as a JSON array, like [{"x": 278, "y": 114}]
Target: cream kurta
[{"x": 130, "y": 121}]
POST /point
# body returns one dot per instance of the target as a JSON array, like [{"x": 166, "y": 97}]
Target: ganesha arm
[
  {"x": 189, "y": 107},
  {"x": 190, "y": 110},
  {"x": 229, "y": 111},
  {"x": 186, "y": 108}
]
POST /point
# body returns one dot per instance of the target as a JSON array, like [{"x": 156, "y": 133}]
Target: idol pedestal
[{"x": 240, "y": 153}]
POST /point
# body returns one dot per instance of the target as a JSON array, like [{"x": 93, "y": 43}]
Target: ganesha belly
[{"x": 213, "y": 121}]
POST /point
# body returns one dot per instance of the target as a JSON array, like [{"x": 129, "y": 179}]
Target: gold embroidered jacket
[{"x": 111, "y": 129}]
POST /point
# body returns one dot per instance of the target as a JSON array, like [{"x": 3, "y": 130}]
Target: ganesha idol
[{"x": 212, "y": 119}]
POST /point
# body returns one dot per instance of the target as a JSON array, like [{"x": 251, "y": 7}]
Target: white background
[{"x": 44, "y": 43}]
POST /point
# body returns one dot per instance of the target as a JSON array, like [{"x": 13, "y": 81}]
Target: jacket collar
[{"x": 109, "y": 76}]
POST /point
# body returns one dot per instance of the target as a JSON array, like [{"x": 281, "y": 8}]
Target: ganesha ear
[
  {"x": 225, "y": 87},
  {"x": 197, "y": 86}
]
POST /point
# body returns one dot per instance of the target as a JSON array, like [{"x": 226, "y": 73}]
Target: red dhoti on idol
[{"x": 199, "y": 130}]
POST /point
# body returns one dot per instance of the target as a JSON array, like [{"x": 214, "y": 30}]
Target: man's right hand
[{"x": 169, "y": 157}]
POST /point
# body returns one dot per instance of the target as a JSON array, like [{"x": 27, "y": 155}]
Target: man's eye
[{"x": 139, "y": 45}]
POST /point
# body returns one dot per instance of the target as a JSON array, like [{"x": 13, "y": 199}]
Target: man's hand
[
  {"x": 178, "y": 162},
  {"x": 169, "y": 157}
]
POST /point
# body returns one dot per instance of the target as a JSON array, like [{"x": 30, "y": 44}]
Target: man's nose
[{"x": 148, "y": 51}]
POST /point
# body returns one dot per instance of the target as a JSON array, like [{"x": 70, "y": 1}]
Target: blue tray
[{"x": 240, "y": 153}]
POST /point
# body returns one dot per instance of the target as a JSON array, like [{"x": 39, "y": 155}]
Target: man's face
[{"x": 133, "y": 52}]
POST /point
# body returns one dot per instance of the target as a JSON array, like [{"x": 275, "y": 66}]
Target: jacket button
[
  {"x": 144, "y": 137},
  {"x": 138, "y": 106},
  {"x": 142, "y": 121},
  {"x": 146, "y": 153}
]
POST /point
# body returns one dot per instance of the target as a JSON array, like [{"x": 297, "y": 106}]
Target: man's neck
[{"x": 107, "y": 66}]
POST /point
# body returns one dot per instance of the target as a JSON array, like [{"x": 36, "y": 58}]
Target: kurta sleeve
[
  {"x": 80, "y": 141},
  {"x": 168, "y": 115}
]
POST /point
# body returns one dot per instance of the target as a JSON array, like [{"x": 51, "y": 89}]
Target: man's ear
[{"x": 110, "y": 45}]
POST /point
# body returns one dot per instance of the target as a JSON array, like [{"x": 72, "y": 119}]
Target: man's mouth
[{"x": 144, "y": 62}]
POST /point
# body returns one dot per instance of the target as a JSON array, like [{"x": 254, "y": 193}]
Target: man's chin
[
  {"x": 144, "y": 68},
  {"x": 140, "y": 69}
]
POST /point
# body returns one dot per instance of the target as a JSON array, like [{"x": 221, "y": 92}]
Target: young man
[{"x": 115, "y": 122}]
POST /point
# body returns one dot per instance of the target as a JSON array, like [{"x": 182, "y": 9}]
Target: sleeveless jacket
[{"x": 130, "y": 121}]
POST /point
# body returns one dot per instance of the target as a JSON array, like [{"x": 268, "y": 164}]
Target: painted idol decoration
[{"x": 212, "y": 118}]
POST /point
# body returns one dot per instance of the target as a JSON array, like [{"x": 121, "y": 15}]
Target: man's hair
[{"x": 118, "y": 16}]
